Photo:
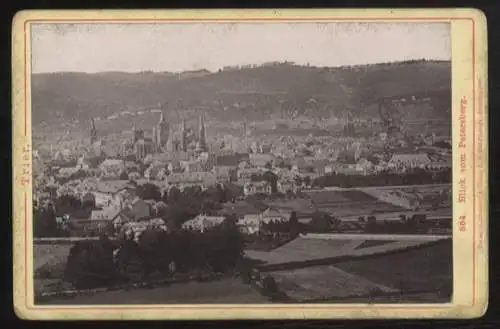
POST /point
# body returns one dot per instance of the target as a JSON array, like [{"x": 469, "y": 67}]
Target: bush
[
  {"x": 90, "y": 264},
  {"x": 269, "y": 286}
]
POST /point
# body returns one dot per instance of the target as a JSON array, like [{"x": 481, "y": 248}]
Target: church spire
[
  {"x": 162, "y": 119},
  {"x": 183, "y": 145},
  {"x": 162, "y": 130},
  {"x": 93, "y": 131},
  {"x": 201, "y": 135}
]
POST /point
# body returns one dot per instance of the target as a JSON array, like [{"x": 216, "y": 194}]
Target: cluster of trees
[
  {"x": 44, "y": 223},
  {"x": 322, "y": 223},
  {"x": 267, "y": 176},
  {"x": 291, "y": 227},
  {"x": 80, "y": 174},
  {"x": 92, "y": 264},
  {"x": 406, "y": 225},
  {"x": 44, "y": 217},
  {"x": 191, "y": 201},
  {"x": 181, "y": 205},
  {"x": 414, "y": 177}
]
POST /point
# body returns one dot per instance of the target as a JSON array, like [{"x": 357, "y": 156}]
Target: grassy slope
[
  {"x": 230, "y": 290},
  {"x": 425, "y": 268},
  {"x": 78, "y": 95}
]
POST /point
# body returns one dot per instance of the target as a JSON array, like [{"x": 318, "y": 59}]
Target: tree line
[
  {"x": 105, "y": 262},
  {"x": 414, "y": 177}
]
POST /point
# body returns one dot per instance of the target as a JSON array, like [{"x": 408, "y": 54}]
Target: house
[
  {"x": 140, "y": 208},
  {"x": 419, "y": 160},
  {"x": 105, "y": 214},
  {"x": 155, "y": 171},
  {"x": 252, "y": 223},
  {"x": 83, "y": 163},
  {"x": 182, "y": 180},
  {"x": 262, "y": 187},
  {"x": 124, "y": 216},
  {"x": 203, "y": 222},
  {"x": 225, "y": 173},
  {"x": 365, "y": 166},
  {"x": 67, "y": 172},
  {"x": 351, "y": 170},
  {"x": 111, "y": 168},
  {"x": 246, "y": 174},
  {"x": 274, "y": 215},
  {"x": 249, "y": 224},
  {"x": 131, "y": 166},
  {"x": 112, "y": 192},
  {"x": 174, "y": 167},
  {"x": 191, "y": 166},
  {"x": 139, "y": 226},
  {"x": 261, "y": 160},
  {"x": 230, "y": 159},
  {"x": 286, "y": 187},
  {"x": 88, "y": 198}
]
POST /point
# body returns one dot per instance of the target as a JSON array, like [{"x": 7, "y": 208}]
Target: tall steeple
[
  {"x": 201, "y": 133},
  {"x": 93, "y": 131},
  {"x": 162, "y": 119},
  {"x": 183, "y": 141},
  {"x": 170, "y": 141},
  {"x": 162, "y": 130}
]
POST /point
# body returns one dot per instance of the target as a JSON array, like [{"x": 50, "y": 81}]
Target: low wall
[
  {"x": 343, "y": 258},
  {"x": 55, "y": 241}
]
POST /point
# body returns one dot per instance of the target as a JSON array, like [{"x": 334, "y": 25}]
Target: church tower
[
  {"x": 170, "y": 141},
  {"x": 93, "y": 132},
  {"x": 183, "y": 142},
  {"x": 202, "y": 144},
  {"x": 162, "y": 131}
]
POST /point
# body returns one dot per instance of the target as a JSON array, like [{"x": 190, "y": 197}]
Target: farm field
[
  {"x": 349, "y": 202},
  {"x": 229, "y": 290},
  {"x": 324, "y": 282},
  {"x": 426, "y": 197},
  {"x": 425, "y": 268},
  {"x": 330, "y": 247},
  {"x": 419, "y": 275},
  {"x": 50, "y": 258}
]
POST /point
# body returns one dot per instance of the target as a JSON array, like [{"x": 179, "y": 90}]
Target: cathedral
[
  {"x": 93, "y": 132},
  {"x": 164, "y": 138},
  {"x": 161, "y": 133}
]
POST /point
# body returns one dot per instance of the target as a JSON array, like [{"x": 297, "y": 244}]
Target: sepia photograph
[{"x": 240, "y": 162}]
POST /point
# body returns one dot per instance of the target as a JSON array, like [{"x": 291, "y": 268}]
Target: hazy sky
[{"x": 180, "y": 47}]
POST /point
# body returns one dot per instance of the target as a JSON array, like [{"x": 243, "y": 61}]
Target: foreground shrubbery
[{"x": 105, "y": 262}]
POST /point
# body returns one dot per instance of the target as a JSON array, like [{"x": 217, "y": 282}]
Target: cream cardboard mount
[{"x": 347, "y": 148}]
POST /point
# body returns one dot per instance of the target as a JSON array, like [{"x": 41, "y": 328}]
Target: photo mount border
[{"x": 301, "y": 19}]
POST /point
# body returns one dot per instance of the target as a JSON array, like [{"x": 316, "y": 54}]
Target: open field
[
  {"x": 349, "y": 203},
  {"x": 425, "y": 268},
  {"x": 50, "y": 259},
  {"x": 224, "y": 291},
  {"x": 324, "y": 282},
  {"x": 423, "y": 274},
  {"x": 332, "y": 247}
]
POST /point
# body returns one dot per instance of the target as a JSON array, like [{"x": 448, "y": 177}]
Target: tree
[
  {"x": 221, "y": 194},
  {"x": 67, "y": 204},
  {"x": 149, "y": 191},
  {"x": 294, "y": 224},
  {"x": 371, "y": 224},
  {"x": 269, "y": 286},
  {"x": 173, "y": 195},
  {"x": 272, "y": 179},
  {"x": 45, "y": 224},
  {"x": 88, "y": 201},
  {"x": 320, "y": 223},
  {"x": 123, "y": 175},
  {"x": 90, "y": 264}
]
